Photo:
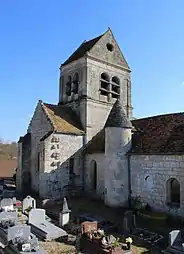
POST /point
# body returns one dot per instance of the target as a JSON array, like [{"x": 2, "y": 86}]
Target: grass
[{"x": 57, "y": 248}]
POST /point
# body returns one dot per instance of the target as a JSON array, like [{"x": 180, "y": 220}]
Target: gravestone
[
  {"x": 6, "y": 204},
  {"x": 64, "y": 215},
  {"x": 28, "y": 202},
  {"x": 8, "y": 219},
  {"x": 37, "y": 216},
  {"x": 19, "y": 231},
  {"x": 42, "y": 227},
  {"x": 88, "y": 226},
  {"x": 23, "y": 240},
  {"x": 174, "y": 236},
  {"x": 129, "y": 222},
  {"x": 47, "y": 203},
  {"x": 176, "y": 243}
]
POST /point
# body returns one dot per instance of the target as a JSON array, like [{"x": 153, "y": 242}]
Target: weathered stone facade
[
  {"x": 88, "y": 141},
  {"x": 89, "y": 174},
  {"x": 38, "y": 127},
  {"x": 91, "y": 106},
  {"x": 57, "y": 149},
  {"x": 149, "y": 176}
]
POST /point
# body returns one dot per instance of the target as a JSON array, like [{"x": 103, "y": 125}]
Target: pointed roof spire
[
  {"x": 117, "y": 117},
  {"x": 65, "y": 207}
]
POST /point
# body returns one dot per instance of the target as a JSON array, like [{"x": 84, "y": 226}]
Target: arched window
[
  {"x": 115, "y": 87},
  {"x": 94, "y": 177},
  {"x": 104, "y": 84},
  {"x": 69, "y": 86},
  {"x": 173, "y": 192},
  {"x": 75, "y": 83}
]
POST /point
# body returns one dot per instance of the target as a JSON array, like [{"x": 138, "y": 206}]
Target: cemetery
[{"x": 27, "y": 226}]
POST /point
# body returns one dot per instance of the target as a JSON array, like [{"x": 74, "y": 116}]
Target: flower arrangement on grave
[
  {"x": 116, "y": 243},
  {"x": 97, "y": 235},
  {"x": 28, "y": 209}
]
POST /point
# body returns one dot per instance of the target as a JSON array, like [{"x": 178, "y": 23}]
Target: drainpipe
[{"x": 129, "y": 182}]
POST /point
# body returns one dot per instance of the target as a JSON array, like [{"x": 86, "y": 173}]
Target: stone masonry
[
  {"x": 88, "y": 139},
  {"x": 149, "y": 174}
]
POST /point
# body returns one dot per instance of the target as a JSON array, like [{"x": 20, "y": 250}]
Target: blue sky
[{"x": 37, "y": 36}]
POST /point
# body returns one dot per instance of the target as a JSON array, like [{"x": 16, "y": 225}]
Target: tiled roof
[
  {"x": 7, "y": 168},
  {"x": 162, "y": 134},
  {"x": 82, "y": 49},
  {"x": 117, "y": 117},
  {"x": 159, "y": 134},
  {"x": 63, "y": 119}
]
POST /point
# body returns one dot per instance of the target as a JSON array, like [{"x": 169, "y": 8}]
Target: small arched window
[
  {"x": 69, "y": 86},
  {"x": 75, "y": 83},
  {"x": 104, "y": 84},
  {"x": 115, "y": 87},
  {"x": 173, "y": 192}
]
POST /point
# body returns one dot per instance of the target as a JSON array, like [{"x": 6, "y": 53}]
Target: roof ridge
[
  {"x": 149, "y": 117},
  {"x": 47, "y": 114},
  {"x": 81, "y": 51}
]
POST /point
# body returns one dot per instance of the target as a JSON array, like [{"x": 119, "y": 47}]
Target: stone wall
[
  {"x": 118, "y": 143},
  {"x": 114, "y": 56},
  {"x": 149, "y": 175},
  {"x": 19, "y": 168},
  {"x": 92, "y": 107},
  {"x": 58, "y": 149},
  {"x": 38, "y": 127},
  {"x": 99, "y": 158},
  {"x": 98, "y": 107}
]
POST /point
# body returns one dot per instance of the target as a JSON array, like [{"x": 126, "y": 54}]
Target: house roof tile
[
  {"x": 63, "y": 119},
  {"x": 162, "y": 134}
]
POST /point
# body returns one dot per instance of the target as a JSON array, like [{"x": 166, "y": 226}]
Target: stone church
[{"x": 89, "y": 139}]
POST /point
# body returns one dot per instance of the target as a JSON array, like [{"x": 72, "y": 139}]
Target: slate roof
[
  {"x": 162, "y": 134},
  {"x": 63, "y": 119},
  {"x": 82, "y": 50},
  {"x": 117, "y": 117}
]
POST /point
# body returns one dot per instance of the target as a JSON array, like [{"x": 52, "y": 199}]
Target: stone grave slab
[
  {"x": 43, "y": 228},
  {"x": 6, "y": 204},
  {"x": 8, "y": 219},
  {"x": 22, "y": 239},
  {"x": 19, "y": 231},
  {"x": 28, "y": 202}
]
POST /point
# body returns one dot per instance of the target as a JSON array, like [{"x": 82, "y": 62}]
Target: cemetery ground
[{"x": 97, "y": 208}]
